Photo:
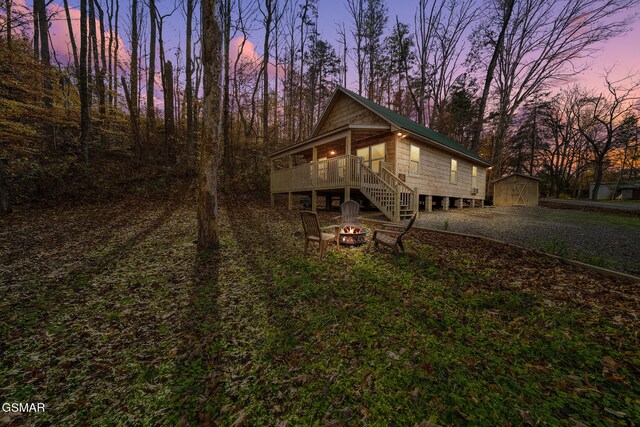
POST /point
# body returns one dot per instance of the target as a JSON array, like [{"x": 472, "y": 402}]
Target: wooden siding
[
  {"x": 346, "y": 111},
  {"x": 516, "y": 190},
  {"x": 435, "y": 172}
]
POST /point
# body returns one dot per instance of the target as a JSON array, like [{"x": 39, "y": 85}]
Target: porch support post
[
  {"x": 347, "y": 177},
  {"x": 347, "y": 143},
  {"x": 429, "y": 203},
  {"x": 290, "y": 194},
  {"x": 445, "y": 203},
  {"x": 396, "y": 206},
  {"x": 460, "y": 203},
  {"x": 314, "y": 172},
  {"x": 482, "y": 203},
  {"x": 272, "y": 165},
  {"x": 416, "y": 202}
]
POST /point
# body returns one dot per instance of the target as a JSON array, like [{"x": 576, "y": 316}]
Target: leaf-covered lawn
[{"x": 110, "y": 317}]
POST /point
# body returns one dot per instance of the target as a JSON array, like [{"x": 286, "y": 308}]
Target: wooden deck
[
  {"x": 337, "y": 172},
  {"x": 388, "y": 193}
]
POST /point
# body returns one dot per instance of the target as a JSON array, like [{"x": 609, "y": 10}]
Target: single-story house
[
  {"x": 627, "y": 190},
  {"x": 516, "y": 190},
  {"x": 360, "y": 150}
]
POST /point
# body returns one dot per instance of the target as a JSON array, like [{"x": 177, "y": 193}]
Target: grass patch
[{"x": 456, "y": 331}]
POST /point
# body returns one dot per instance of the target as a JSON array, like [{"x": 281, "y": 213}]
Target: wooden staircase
[{"x": 395, "y": 199}]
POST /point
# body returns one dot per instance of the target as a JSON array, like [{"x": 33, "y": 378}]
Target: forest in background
[{"x": 489, "y": 74}]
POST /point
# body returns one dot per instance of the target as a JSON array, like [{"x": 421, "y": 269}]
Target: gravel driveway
[{"x": 606, "y": 240}]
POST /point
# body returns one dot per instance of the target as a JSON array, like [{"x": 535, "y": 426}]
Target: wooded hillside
[{"x": 490, "y": 75}]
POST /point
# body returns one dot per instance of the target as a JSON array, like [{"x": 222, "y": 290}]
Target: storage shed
[{"x": 516, "y": 190}]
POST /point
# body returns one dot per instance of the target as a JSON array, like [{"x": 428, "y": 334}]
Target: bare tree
[
  {"x": 9, "y": 21},
  {"x": 226, "y": 8},
  {"x": 268, "y": 9},
  {"x": 189, "y": 86},
  {"x": 505, "y": 10},
  {"x": 151, "y": 73},
  {"x": 40, "y": 9},
  {"x": 356, "y": 11},
  {"x": 208, "y": 237},
  {"x": 84, "y": 89},
  {"x": 542, "y": 42},
  {"x": 342, "y": 33},
  {"x": 448, "y": 49},
  {"x": 133, "y": 94},
  {"x": 74, "y": 48},
  {"x": 427, "y": 19},
  {"x": 375, "y": 21},
  {"x": 600, "y": 120}
]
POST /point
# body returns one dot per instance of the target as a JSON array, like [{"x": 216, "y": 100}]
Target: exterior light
[
  {"x": 333, "y": 153},
  {"x": 399, "y": 133}
]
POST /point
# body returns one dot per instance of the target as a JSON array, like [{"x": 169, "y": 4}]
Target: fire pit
[{"x": 352, "y": 235}]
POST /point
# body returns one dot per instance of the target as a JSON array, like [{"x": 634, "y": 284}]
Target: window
[
  {"x": 454, "y": 171},
  {"x": 414, "y": 160},
  {"x": 474, "y": 177},
  {"x": 373, "y": 155}
]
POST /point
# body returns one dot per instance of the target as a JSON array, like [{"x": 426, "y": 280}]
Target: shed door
[{"x": 519, "y": 194}]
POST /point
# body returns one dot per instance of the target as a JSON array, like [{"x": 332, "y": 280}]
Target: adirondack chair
[
  {"x": 314, "y": 233},
  {"x": 349, "y": 213},
  {"x": 391, "y": 236}
]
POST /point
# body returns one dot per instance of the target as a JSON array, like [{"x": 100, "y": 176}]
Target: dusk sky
[{"x": 622, "y": 53}]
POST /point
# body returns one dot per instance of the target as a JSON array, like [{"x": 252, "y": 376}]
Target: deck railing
[
  {"x": 380, "y": 193},
  {"x": 386, "y": 191},
  {"x": 407, "y": 195},
  {"x": 337, "y": 172}
]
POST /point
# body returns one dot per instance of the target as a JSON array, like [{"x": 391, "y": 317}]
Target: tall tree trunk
[
  {"x": 151, "y": 115},
  {"x": 598, "y": 179},
  {"x": 36, "y": 34},
  {"x": 226, "y": 122},
  {"x": 83, "y": 83},
  {"x": 109, "y": 5},
  {"x": 9, "y": 23},
  {"x": 135, "y": 130},
  {"x": 265, "y": 71},
  {"x": 189, "y": 90},
  {"x": 102, "y": 74},
  {"x": 116, "y": 48},
  {"x": 208, "y": 237},
  {"x": 169, "y": 114},
  {"x": 74, "y": 48},
  {"x": 133, "y": 102},
  {"x": 43, "y": 32},
  {"x": 98, "y": 74},
  {"x": 508, "y": 9}
]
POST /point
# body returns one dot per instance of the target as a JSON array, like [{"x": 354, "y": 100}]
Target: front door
[{"x": 519, "y": 194}]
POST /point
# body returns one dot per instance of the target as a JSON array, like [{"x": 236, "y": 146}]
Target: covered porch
[{"x": 332, "y": 161}]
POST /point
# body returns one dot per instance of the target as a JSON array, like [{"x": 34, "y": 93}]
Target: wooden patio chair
[
  {"x": 349, "y": 212},
  {"x": 314, "y": 233},
  {"x": 391, "y": 235}
]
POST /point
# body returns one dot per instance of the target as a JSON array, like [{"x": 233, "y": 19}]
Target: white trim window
[
  {"x": 474, "y": 177},
  {"x": 373, "y": 155},
  {"x": 414, "y": 161},
  {"x": 454, "y": 171}
]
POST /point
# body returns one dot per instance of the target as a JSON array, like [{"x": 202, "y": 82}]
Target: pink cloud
[
  {"x": 59, "y": 31},
  {"x": 249, "y": 55}
]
